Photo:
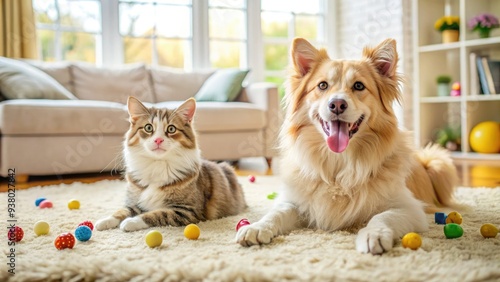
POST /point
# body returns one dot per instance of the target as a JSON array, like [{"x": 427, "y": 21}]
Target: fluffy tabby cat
[{"x": 167, "y": 181}]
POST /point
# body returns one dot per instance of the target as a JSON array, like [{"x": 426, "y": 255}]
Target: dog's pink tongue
[{"x": 339, "y": 136}]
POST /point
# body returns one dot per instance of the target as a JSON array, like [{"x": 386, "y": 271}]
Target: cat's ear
[
  {"x": 187, "y": 109},
  {"x": 136, "y": 109}
]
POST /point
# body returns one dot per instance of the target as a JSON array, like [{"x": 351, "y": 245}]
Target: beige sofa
[{"x": 84, "y": 133}]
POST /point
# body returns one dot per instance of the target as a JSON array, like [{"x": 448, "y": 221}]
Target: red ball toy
[
  {"x": 87, "y": 223},
  {"x": 15, "y": 234},
  {"x": 251, "y": 178},
  {"x": 45, "y": 204},
  {"x": 65, "y": 241},
  {"x": 242, "y": 223}
]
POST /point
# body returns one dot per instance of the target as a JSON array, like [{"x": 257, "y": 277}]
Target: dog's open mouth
[{"x": 340, "y": 132}]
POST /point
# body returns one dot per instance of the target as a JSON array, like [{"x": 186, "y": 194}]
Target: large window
[
  {"x": 157, "y": 32},
  {"x": 68, "y": 30},
  {"x": 188, "y": 34},
  {"x": 283, "y": 20}
]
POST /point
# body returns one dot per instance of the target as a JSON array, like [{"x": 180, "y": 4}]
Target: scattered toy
[
  {"x": 73, "y": 204},
  {"x": 41, "y": 228},
  {"x": 242, "y": 223},
  {"x": 65, "y": 241},
  {"x": 39, "y": 200},
  {"x": 154, "y": 238},
  {"x": 272, "y": 196},
  {"x": 453, "y": 230},
  {"x": 440, "y": 218},
  {"x": 412, "y": 240},
  {"x": 83, "y": 233},
  {"x": 192, "y": 231},
  {"x": 489, "y": 230},
  {"x": 45, "y": 204},
  {"x": 251, "y": 178},
  {"x": 454, "y": 217},
  {"x": 87, "y": 223},
  {"x": 15, "y": 234}
]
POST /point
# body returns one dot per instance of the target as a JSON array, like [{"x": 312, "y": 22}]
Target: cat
[{"x": 168, "y": 183}]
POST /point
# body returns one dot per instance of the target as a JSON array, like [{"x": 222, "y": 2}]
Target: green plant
[
  {"x": 447, "y": 23},
  {"x": 449, "y": 137},
  {"x": 443, "y": 79}
]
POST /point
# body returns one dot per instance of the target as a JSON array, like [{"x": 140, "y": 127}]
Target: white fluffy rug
[{"x": 305, "y": 255}]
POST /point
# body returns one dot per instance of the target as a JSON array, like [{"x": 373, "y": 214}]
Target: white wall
[{"x": 368, "y": 22}]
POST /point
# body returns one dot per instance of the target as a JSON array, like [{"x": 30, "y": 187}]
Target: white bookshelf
[{"x": 433, "y": 58}]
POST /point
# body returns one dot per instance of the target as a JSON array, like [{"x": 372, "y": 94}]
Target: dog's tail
[{"x": 434, "y": 178}]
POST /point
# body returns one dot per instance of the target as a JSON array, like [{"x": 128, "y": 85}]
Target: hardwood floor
[{"x": 472, "y": 173}]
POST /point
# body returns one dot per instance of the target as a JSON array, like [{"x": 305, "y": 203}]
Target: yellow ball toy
[
  {"x": 192, "y": 232},
  {"x": 454, "y": 217},
  {"x": 485, "y": 137},
  {"x": 41, "y": 228},
  {"x": 412, "y": 240},
  {"x": 154, "y": 238},
  {"x": 73, "y": 204},
  {"x": 489, "y": 230}
]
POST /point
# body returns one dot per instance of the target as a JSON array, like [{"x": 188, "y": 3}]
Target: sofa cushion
[
  {"x": 222, "y": 86},
  {"x": 50, "y": 117},
  {"x": 223, "y": 116},
  {"x": 172, "y": 84},
  {"x": 112, "y": 84},
  {"x": 60, "y": 71},
  {"x": 19, "y": 80}
]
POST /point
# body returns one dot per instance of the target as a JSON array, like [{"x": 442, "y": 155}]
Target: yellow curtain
[{"x": 17, "y": 29}]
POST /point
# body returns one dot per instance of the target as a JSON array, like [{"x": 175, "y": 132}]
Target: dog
[{"x": 344, "y": 162}]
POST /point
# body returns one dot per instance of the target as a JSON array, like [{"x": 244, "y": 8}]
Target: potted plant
[
  {"x": 449, "y": 26},
  {"x": 443, "y": 85},
  {"x": 483, "y": 24},
  {"x": 449, "y": 138}
]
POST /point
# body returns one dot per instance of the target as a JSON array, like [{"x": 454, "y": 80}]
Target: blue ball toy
[
  {"x": 39, "y": 200},
  {"x": 83, "y": 233}
]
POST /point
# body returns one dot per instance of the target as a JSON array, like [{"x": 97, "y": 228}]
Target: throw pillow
[
  {"x": 222, "y": 86},
  {"x": 171, "y": 84},
  {"x": 112, "y": 84},
  {"x": 19, "y": 80}
]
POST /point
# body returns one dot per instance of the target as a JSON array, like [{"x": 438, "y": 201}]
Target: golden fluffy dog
[{"x": 344, "y": 161}]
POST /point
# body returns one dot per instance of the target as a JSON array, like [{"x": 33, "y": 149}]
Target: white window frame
[{"x": 109, "y": 47}]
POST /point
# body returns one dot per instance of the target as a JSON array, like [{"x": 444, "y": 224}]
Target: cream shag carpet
[{"x": 305, "y": 255}]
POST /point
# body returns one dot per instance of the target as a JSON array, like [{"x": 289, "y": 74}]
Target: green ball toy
[{"x": 453, "y": 230}]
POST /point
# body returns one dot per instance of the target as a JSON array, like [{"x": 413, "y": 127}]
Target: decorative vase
[
  {"x": 484, "y": 32},
  {"x": 443, "y": 89},
  {"x": 450, "y": 35}
]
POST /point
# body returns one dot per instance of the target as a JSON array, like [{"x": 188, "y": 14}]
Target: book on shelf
[
  {"x": 474, "y": 78},
  {"x": 483, "y": 82},
  {"x": 492, "y": 71}
]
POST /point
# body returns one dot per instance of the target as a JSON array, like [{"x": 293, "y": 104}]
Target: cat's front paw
[
  {"x": 133, "y": 224},
  {"x": 254, "y": 234},
  {"x": 374, "y": 240},
  {"x": 107, "y": 223}
]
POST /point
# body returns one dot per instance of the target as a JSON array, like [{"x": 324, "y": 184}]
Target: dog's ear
[
  {"x": 384, "y": 57},
  {"x": 303, "y": 55}
]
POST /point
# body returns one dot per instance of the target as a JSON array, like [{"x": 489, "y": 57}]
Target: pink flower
[{"x": 483, "y": 21}]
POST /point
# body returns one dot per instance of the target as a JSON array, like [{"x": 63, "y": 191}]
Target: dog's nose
[{"x": 337, "y": 106}]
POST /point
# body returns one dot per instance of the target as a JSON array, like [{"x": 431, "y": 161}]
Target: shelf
[
  {"x": 475, "y": 156},
  {"x": 447, "y": 99},
  {"x": 482, "y": 42},
  {"x": 494, "y": 97},
  {"x": 439, "y": 47}
]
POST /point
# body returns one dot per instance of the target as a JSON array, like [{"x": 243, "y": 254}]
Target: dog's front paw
[
  {"x": 374, "y": 240},
  {"x": 107, "y": 223},
  {"x": 133, "y": 224},
  {"x": 254, "y": 234}
]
